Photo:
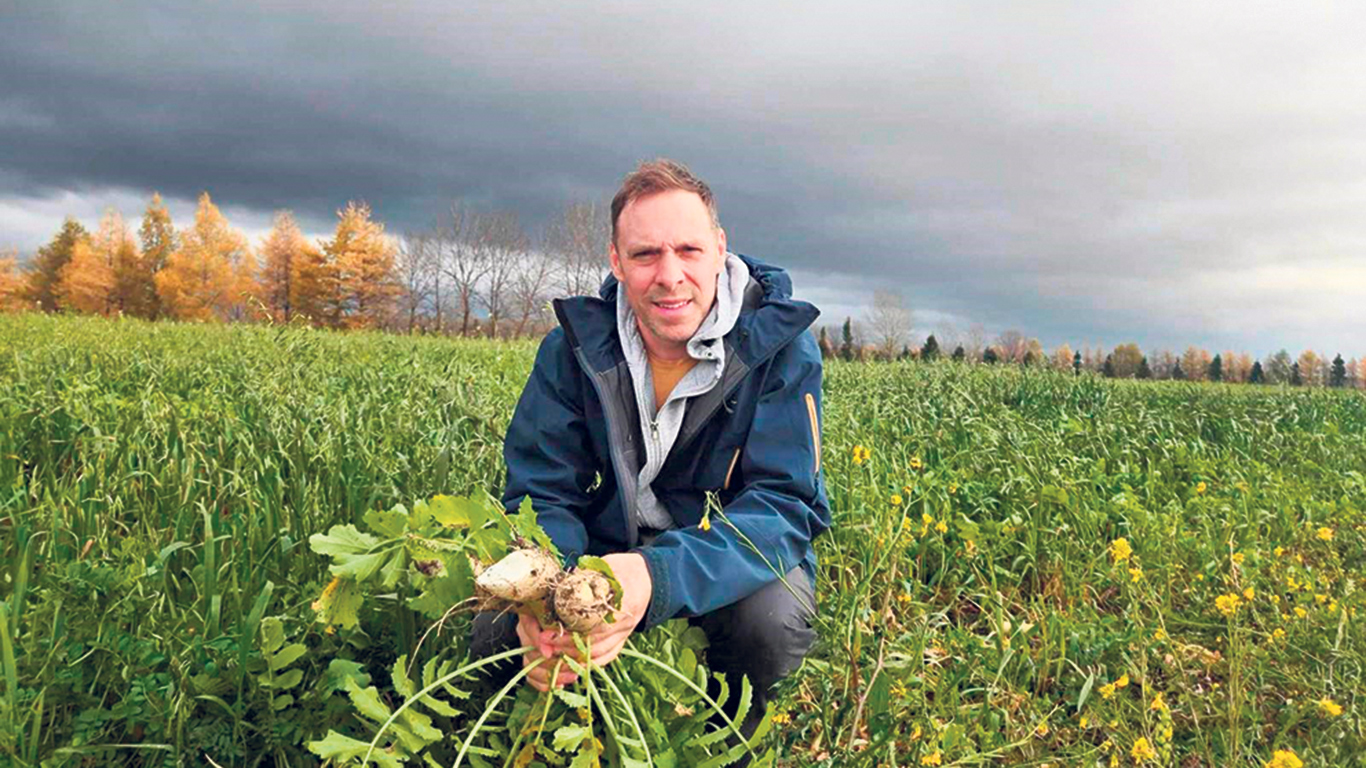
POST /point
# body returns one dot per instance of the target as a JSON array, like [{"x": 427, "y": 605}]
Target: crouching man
[{"x": 691, "y": 372}]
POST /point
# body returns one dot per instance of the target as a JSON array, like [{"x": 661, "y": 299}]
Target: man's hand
[{"x": 606, "y": 640}]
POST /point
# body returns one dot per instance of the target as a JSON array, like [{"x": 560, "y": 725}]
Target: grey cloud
[{"x": 1070, "y": 171}]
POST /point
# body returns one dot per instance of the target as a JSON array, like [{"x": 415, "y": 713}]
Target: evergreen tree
[
  {"x": 1109, "y": 370},
  {"x": 1295, "y": 380},
  {"x": 1030, "y": 359},
  {"x": 989, "y": 356},
  {"x": 45, "y": 271},
  {"x": 847, "y": 345},
  {"x": 1338, "y": 377},
  {"x": 1076, "y": 363},
  {"x": 905, "y": 353},
  {"x": 1144, "y": 372},
  {"x": 1177, "y": 373},
  {"x": 1257, "y": 376},
  {"x": 1216, "y": 369},
  {"x": 930, "y": 352},
  {"x": 959, "y": 354}
]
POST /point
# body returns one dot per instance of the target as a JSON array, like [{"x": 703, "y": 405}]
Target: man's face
[{"x": 667, "y": 256}]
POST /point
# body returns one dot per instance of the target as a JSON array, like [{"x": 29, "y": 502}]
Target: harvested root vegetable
[
  {"x": 523, "y": 576},
  {"x": 582, "y": 599}
]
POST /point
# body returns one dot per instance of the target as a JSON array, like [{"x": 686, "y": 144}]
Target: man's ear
[
  {"x": 615, "y": 260},
  {"x": 721, "y": 241}
]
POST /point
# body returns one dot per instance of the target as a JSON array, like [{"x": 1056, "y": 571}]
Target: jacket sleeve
[
  {"x": 780, "y": 509},
  {"x": 548, "y": 450}
]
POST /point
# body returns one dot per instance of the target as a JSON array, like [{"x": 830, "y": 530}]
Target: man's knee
[{"x": 767, "y": 634}]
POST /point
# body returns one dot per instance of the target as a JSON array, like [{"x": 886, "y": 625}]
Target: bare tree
[
  {"x": 416, "y": 268},
  {"x": 578, "y": 241},
  {"x": 1012, "y": 345},
  {"x": 976, "y": 342},
  {"x": 503, "y": 242},
  {"x": 890, "y": 321},
  {"x": 462, "y": 258},
  {"x": 531, "y": 287}
]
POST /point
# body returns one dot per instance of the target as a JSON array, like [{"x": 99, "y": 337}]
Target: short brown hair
[{"x": 660, "y": 175}]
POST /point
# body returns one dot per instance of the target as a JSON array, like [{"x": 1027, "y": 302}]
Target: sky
[{"x": 1166, "y": 173}]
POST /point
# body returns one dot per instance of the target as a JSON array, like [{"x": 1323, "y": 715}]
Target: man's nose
[{"x": 670, "y": 272}]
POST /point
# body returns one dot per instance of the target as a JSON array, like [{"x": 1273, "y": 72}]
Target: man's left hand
[{"x": 607, "y": 639}]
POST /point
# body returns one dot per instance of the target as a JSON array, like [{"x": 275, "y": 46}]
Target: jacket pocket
[{"x": 815, "y": 431}]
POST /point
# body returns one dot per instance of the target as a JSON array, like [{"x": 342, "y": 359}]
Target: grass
[{"x": 158, "y": 484}]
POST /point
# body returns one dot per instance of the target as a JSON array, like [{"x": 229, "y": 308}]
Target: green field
[{"x": 975, "y": 605}]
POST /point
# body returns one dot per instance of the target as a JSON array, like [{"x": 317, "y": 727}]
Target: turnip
[
  {"x": 523, "y": 576},
  {"x": 582, "y": 600},
  {"x": 530, "y": 580}
]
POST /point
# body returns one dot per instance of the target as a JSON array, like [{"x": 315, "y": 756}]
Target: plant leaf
[
  {"x": 342, "y": 540},
  {"x": 598, "y": 564},
  {"x": 389, "y": 525},
  {"x": 288, "y": 656},
  {"x": 569, "y": 737}
]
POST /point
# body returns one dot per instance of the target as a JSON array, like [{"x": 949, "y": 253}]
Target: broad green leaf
[
  {"x": 526, "y": 525},
  {"x": 339, "y": 603},
  {"x": 272, "y": 634},
  {"x": 359, "y": 568},
  {"x": 288, "y": 680},
  {"x": 289, "y": 655},
  {"x": 342, "y": 749},
  {"x": 399, "y": 676},
  {"x": 575, "y": 700},
  {"x": 420, "y": 726},
  {"x": 569, "y": 737},
  {"x": 341, "y": 670},
  {"x": 456, "y": 586},
  {"x": 281, "y": 702},
  {"x": 342, "y": 540},
  {"x": 367, "y": 702},
  {"x": 393, "y": 569},
  {"x": 389, "y": 525},
  {"x": 457, "y": 512}
]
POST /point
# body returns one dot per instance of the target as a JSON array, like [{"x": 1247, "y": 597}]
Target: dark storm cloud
[{"x": 1163, "y": 174}]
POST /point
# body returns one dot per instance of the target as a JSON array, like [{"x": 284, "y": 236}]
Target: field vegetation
[{"x": 1027, "y": 567}]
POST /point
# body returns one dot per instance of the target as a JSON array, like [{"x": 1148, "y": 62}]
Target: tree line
[
  {"x": 474, "y": 271},
  {"x": 885, "y": 334}
]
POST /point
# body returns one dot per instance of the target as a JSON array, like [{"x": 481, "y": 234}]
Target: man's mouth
[{"x": 673, "y": 306}]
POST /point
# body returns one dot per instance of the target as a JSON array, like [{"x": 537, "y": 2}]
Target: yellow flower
[
  {"x": 903, "y": 597},
  {"x": 915, "y": 462},
  {"x": 1120, "y": 550},
  {"x": 1320, "y": 599},
  {"x": 1160, "y": 635},
  {"x": 1329, "y": 707},
  {"x": 1227, "y": 604},
  {"x": 953, "y": 488},
  {"x": 942, "y": 527},
  {"x": 1136, "y": 574},
  {"x": 1199, "y": 577},
  {"x": 1107, "y": 691},
  {"x": 1200, "y": 487},
  {"x": 705, "y": 524},
  {"x": 1326, "y": 534},
  {"x": 1142, "y": 751},
  {"x": 861, "y": 454},
  {"x": 1249, "y": 593},
  {"x": 1301, "y": 612},
  {"x": 1239, "y": 557},
  {"x": 1122, "y": 682},
  {"x": 1085, "y": 721},
  {"x": 1158, "y": 703},
  {"x": 782, "y": 718},
  {"x": 1042, "y": 729},
  {"x": 932, "y": 759},
  {"x": 1285, "y": 758},
  {"x": 971, "y": 547},
  {"x": 896, "y": 499},
  {"x": 899, "y": 689},
  {"x": 927, "y": 519},
  {"x": 1278, "y": 551},
  {"x": 1275, "y": 599},
  {"x": 1278, "y": 633},
  {"x": 1333, "y": 607}
]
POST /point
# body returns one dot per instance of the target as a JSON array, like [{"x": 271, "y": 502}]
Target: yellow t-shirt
[{"x": 666, "y": 374}]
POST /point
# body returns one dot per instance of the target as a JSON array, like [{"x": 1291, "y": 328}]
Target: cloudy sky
[{"x": 1167, "y": 173}]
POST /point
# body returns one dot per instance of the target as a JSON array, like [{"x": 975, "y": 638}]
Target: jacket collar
[{"x": 769, "y": 319}]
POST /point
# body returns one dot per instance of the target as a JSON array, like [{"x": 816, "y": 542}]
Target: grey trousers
[{"x": 764, "y": 636}]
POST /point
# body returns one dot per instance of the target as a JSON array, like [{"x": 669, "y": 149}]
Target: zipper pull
[{"x": 654, "y": 427}]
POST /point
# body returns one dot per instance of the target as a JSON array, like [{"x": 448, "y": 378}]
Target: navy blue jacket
[{"x": 574, "y": 446}]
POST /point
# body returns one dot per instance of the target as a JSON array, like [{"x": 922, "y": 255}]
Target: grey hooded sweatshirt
[{"x": 660, "y": 429}]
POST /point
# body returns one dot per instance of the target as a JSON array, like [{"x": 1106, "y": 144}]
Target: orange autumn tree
[
  {"x": 361, "y": 287},
  {"x": 12, "y": 284},
  {"x": 89, "y": 281},
  {"x": 291, "y": 271},
  {"x": 203, "y": 278},
  {"x": 159, "y": 241}
]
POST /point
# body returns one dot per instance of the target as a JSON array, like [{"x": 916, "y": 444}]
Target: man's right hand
[{"x": 545, "y": 644}]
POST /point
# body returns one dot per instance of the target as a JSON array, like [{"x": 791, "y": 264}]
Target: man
[{"x": 692, "y": 372}]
